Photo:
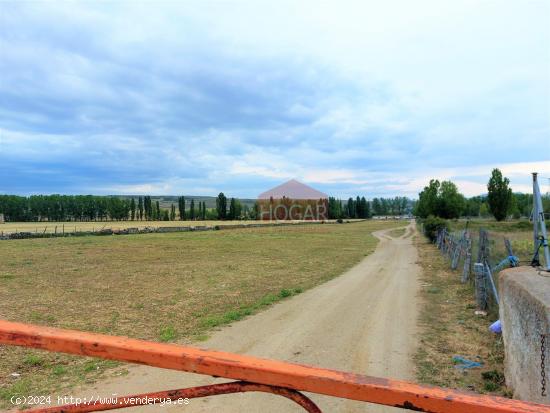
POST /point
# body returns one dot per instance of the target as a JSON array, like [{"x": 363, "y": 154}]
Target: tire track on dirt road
[{"x": 363, "y": 321}]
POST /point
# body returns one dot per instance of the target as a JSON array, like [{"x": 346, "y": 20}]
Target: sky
[{"x": 369, "y": 98}]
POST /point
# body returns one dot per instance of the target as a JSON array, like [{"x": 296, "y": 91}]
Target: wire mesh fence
[{"x": 490, "y": 258}]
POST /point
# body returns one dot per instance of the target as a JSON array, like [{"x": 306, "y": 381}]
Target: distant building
[{"x": 292, "y": 200}]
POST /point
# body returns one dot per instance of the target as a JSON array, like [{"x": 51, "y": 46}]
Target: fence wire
[{"x": 457, "y": 247}]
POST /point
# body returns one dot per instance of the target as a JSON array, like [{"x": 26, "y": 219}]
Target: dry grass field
[
  {"x": 68, "y": 227},
  {"x": 165, "y": 287}
]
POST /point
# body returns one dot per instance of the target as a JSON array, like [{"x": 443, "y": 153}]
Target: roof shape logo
[{"x": 292, "y": 189}]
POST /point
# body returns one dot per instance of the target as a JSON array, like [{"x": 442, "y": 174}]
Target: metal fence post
[
  {"x": 467, "y": 261},
  {"x": 480, "y": 285}
]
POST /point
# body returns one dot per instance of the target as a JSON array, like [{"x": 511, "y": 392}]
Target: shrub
[
  {"x": 285, "y": 293},
  {"x": 432, "y": 225}
]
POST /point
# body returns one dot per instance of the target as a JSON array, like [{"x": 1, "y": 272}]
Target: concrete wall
[{"x": 525, "y": 315}]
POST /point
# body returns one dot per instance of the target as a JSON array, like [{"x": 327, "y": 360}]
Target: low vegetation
[
  {"x": 397, "y": 232},
  {"x": 163, "y": 287},
  {"x": 70, "y": 227},
  {"x": 519, "y": 232},
  {"x": 449, "y": 327},
  {"x": 432, "y": 225}
]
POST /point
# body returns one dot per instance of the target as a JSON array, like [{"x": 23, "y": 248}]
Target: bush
[
  {"x": 285, "y": 293},
  {"x": 432, "y": 225}
]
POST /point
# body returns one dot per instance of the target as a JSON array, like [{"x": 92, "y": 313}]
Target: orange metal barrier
[{"x": 268, "y": 375}]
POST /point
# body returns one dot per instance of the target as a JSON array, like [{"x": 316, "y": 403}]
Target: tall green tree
[
  {"x": 351, "y": 208},
  {"x": 450, "y": 201},
  {"x": 499, "y": 197},
  {"x": 181, "y": 208},
  {"x": 428, "y": 199},
  {"x": 335, "y": 210},
  {"x": 440, "y": 199},
  {"x": 148, "y": 207},
  {"x": 203, "y": 214},
  {"x": 140, "y": 208},
  {"x": 192, "y": 210},
  {"x": 172, "y": 212},
  {"x": 376, "y": 207},
  {"x": 133, "y": 209},
  {"x": 358, "y": 207},
  {"x": 221, "y": 206},
  {"x": 365, "y": 208},
  {"x": 231, "y": 215}
]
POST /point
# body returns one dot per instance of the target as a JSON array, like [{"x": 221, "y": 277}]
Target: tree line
[
  {"x": 443, "y": 200},
  {"x": 360, "y": 207},
  {"x": 37, "y": 208},
  {"x": 64, "y": 208}
]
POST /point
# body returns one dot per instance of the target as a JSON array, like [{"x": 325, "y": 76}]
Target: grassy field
[
  {"x": 68, "y": 227},
  {"x": 449, "y": 325},
  {"x": 519, "y": 232},
  {"x": 397, "y": 232},
  {"x": 165, "y": 287}
]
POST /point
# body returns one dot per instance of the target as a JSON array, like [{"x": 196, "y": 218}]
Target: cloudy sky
[{"x": 370, "y": 98}]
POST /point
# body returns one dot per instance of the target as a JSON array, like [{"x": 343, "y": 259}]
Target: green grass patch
[
  {"x": 34, "y": 360},
  {"x": 167, "y": 334}
]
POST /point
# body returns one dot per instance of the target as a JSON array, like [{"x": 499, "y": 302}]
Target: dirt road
[{"x": 363, "y": 321}]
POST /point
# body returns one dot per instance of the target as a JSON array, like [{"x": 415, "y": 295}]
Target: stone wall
[{"x": 525, "y": 316}]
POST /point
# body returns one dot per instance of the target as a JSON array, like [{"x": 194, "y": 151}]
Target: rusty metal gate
[{"x": 251, "y": 373}]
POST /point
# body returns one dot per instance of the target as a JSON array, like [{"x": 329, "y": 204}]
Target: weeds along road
[{"x": 363, "y": 321}]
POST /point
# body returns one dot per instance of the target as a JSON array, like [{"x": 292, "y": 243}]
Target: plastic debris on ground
[
  {"x": 463, "y": 363},
  {"x": 496, "y": 327}
]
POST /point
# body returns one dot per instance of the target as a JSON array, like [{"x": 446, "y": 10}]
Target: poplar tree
[
  {"x": 140, "y": 208},
  {"x": 351, "y": 208},
  {"x": 365, "y": 208},
  {"x": 192, "y": 210},
  {"x": 499, "y": 195},
  {"x": 221, "y": 206},
  {"x": 231, "y": 214},
  {"x": 133, "y": 209},
  {"x": 181, "y": 207}
]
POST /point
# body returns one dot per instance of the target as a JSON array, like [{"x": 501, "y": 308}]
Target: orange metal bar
[{"x": 275, "y": 373}]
